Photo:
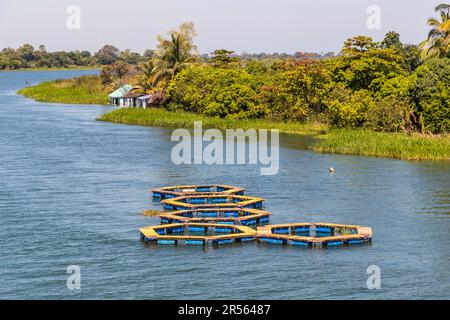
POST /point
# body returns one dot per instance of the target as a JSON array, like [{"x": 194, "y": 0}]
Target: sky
[{"x": 250, "y": 26}]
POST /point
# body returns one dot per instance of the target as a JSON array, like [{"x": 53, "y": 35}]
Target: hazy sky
[{"x": 241, "y": 25}]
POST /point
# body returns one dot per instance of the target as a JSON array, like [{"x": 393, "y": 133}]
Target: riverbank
[
  {"x": 342, "y": 141},
  {"x": 89, "y": 90},
  {"x": 383, "y": 144},
  {"x": 163, "y": 118},
  {"x": 80, "y": 90}
]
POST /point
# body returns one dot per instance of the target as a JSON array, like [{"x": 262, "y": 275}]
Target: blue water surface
[{"x": 72, "y": 188}]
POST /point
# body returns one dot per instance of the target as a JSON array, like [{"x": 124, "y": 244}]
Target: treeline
[
  {"x": 383, "y": 86},
  {"x": 27, "y": 56}
]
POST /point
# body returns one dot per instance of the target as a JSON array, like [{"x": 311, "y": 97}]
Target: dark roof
[
  {"x": 133, "y": 95},
  {"x": 157, "y": 98}
]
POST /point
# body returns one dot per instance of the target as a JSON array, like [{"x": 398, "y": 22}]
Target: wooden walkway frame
[
  {"x": 245, "y": 216},
  {"x": 176, "y": 191},
  {"x": 357, "y": 234},
  {"x": 239, "y": 234},
  {"x": 232, "y": 201}
]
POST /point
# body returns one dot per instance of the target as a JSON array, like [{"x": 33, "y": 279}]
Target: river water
[{"x": 71, "y": 191}]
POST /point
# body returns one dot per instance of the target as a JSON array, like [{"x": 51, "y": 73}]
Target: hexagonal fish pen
[
  {"x": 314, "y": 234},
  {"x": 240, "y": 216},
  {"x": 176, "y": 191},
  {"x": 196, "y": 234},
  {"x": 195, "y": 202}
]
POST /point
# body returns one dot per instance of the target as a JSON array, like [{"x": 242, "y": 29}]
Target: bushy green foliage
[
  {"x": 215, "y": 92},
  {"x": 430, "y": 92},
  {"x": 347, "y": 108},
  {"x": 367, "y": 67},
  {"x": 385, "y": 114},
  {"x": 370, "y": 85}
]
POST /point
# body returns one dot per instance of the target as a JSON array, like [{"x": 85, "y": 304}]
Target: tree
[
  {"x": 26, "y": 52},
  {"x": 409, "y": 52},
  {"x": 223, "y": 58},
  {"x": 364, "y": 65},
  {"x": 174, "y": 54},
  {"x": 145, "y": 78},
  {"x": 223, "y": 92},
  {"x": 130, "y": 57},
  {"x": 430, "y": 92},
  {"x": 116, "y": 73},
  {"x": 107, "y": 55},
  {"x": 391, "y": 40},
  {"x": 358, "y": 45},
  {"x": 438, "y": 41}
]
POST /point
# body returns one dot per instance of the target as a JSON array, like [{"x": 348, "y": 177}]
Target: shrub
[
  {"x": 386, "y": 114},
  {"x": 346, "y": 108},
  {"x": 430, "y": 92}
]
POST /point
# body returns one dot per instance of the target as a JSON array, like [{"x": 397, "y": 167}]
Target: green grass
[
  {"x": 381, "y": 144},
  {"x": 163, "y": 118},
  {"x": 80, "y": 90},
  {"x": 343, "y": 141}
]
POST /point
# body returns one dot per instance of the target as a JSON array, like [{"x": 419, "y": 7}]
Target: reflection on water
[{"x": 72, "y": 188}]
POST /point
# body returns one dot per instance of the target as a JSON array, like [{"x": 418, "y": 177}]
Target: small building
[
  {"x": 143, "y": 101},
  {"x": 130, "y": 98},
  {"x": 116, "y": 98}
]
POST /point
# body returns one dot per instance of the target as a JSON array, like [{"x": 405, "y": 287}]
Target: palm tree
[
  {"x": 146, "y": 77},
  {"x": 438, "y": 42},
  {"x": 173, "y": 54}
]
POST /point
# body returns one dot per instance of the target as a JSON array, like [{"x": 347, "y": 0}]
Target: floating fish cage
[
  {"x": 314, "y": 234},
  {"x": 240, "y": 216},
  {"x": 197, "y": 234},
  {"x": 176, "y": 191},
  {"x": 195, "y": 202}
]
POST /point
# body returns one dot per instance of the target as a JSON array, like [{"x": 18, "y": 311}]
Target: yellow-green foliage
[
  {"x": 181, "y": 119},
  {"x": 381, "y": 144},
  {"x": 82, "y": 90}
]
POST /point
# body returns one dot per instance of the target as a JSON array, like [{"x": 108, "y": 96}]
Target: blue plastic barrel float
[
  {"x": 176, "y": 191},
  {"x": 166, "y": 242},
  {"x": 197, "y": 229},
  {"x": 278, "y": 234},
  {"x": 194, "y": 242},
  {"x": 223, "y": 230}
]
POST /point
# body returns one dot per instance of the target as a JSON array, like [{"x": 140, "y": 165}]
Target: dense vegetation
[
  {"x": 383, "y": 86},
  {"x": 27, "y": 56},
  {"x": 378, "y": 98}
]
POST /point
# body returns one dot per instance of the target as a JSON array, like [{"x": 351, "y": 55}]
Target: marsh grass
[
  {"x": 343, "y": 141},
  {"x": 80, "y": 90},
  {"x": 151, "y": 212},
  {"x": 382, "y": 144},
  {"x": 164, "y": 118}
]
